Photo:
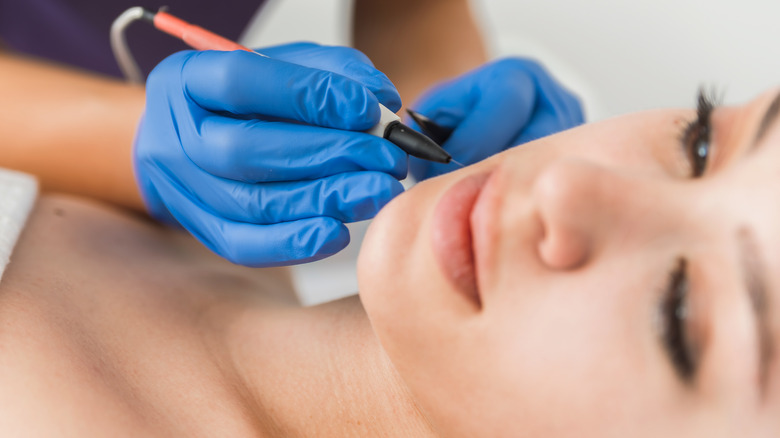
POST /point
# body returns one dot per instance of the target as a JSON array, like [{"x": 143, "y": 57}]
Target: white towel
[{"x": 17, "y": 196}]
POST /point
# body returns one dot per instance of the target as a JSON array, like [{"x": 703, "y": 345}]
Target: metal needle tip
[{"x": 458, "y": 163}]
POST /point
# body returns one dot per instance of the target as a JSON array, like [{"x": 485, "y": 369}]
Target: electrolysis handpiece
[
  {"x": 389, "y": 126},
  {"x": 412, "y": 142},
  {"x": 433, "y": 130}
]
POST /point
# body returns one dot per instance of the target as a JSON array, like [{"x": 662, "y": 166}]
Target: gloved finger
[
  {"x": 553, "y": 97},
  {"x": 480, "y": 96},
  {"x": 556, "y": 110},
  {"x": 347, "y": 197},
  {"x": 255, "y": 245},
  {"x": 244, "y": 83},
  {"x": 261, "y": 151},
  {"x": 446, "y": 106},
  {"x": 490, "y": 127},
  {"x": 448, "y": 103},
  {"x": 345, "y": 61},
  {"x": 500, "y": 113}
]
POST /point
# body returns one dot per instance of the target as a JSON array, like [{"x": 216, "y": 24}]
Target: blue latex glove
[
  {"x": 240, "y": 149},
  {"x": 497, "y": 106}
]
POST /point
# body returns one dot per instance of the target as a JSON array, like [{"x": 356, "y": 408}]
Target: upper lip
[{"x": 482, "y": 222}]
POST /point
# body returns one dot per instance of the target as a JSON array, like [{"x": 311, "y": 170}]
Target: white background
[{"x": 618, "y": 55}]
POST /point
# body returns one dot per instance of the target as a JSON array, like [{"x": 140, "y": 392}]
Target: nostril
[{"x": 564, "y": 250}]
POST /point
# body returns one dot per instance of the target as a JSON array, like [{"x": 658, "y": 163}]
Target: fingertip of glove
[
  {"x": 360, "y": 113},
  {"x": 291, "y": 243},
  {"x": 377, "y": 190},
  {"x": 325, "y": 238},
  {"x": 390, "y": 99},
  {"x": 385, "y": 92},
  {"x": 395, "y": 162}
]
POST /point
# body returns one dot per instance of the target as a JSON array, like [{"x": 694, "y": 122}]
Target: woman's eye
[
  {"x": 696, "y": 137},
  {"x": 674, "y": 322}
]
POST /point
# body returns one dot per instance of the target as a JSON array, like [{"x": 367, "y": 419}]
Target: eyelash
[
  {"x": 695, "y": 138},
  {"x": 674, "y": 314},
  {"x": 695, "y": 141}
]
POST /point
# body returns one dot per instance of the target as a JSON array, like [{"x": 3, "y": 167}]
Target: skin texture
[
  {"x": 74, "y": 130},
  {"x": 575, "y": 239},
  {"x": 111, "y": 324}
]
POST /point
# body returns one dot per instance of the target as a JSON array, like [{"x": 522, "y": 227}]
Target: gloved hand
[
  {"x": 494, "y": 107},
  {"x": 261, "y": 158}
]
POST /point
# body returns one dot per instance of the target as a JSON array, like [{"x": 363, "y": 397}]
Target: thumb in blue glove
[
  {"x": 262, "y": 159},
  {"x": 494, "y": 107}
]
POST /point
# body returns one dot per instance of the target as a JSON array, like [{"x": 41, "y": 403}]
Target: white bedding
[{"x": 17, "y": 196}]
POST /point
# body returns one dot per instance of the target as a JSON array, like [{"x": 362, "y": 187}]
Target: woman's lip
[{"x": 452, "y": 235}]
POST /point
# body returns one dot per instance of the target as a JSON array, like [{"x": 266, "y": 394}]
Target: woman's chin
[{"x": 383, "y": 246}]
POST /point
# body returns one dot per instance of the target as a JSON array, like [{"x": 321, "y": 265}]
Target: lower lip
[{"x": 452, "y": 242}]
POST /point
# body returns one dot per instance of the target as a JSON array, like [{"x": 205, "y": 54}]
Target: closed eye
[{"x": 674, "y": 323}]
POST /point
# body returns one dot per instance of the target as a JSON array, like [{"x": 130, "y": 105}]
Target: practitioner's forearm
[
  {"x": 418, "y": 42},
  {"x": 72, "y": 129}
]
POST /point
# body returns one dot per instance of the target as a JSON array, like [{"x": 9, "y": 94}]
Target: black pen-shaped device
[
  {"x": 389, "y": 127},
  {"x": 412, "y": 142}
]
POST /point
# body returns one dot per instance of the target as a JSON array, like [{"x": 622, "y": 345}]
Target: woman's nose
[{"x": 579, "y": 204}]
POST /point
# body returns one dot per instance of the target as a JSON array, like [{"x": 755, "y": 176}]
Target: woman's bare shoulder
[
  {"x": 108, "y": 317},
  {"x": 66, "y": 231}
]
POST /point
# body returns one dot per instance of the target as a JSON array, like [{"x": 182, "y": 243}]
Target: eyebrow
[
  {"x": 755, "y": 280},
  {"x": 768, "y": 120}
]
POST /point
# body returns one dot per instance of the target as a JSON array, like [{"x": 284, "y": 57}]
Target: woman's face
[{"x": 618, "y": 279}]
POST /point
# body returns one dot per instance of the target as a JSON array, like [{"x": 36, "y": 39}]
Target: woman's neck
[{"x": 320, "y": 371}]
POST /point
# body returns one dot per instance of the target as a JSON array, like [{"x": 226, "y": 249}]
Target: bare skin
[
  {"x": 53, "y": 113},
  {"x": 112, "y": 324}
]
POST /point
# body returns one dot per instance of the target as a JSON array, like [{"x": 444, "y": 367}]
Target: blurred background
[{"x": 618, "y": 56}]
